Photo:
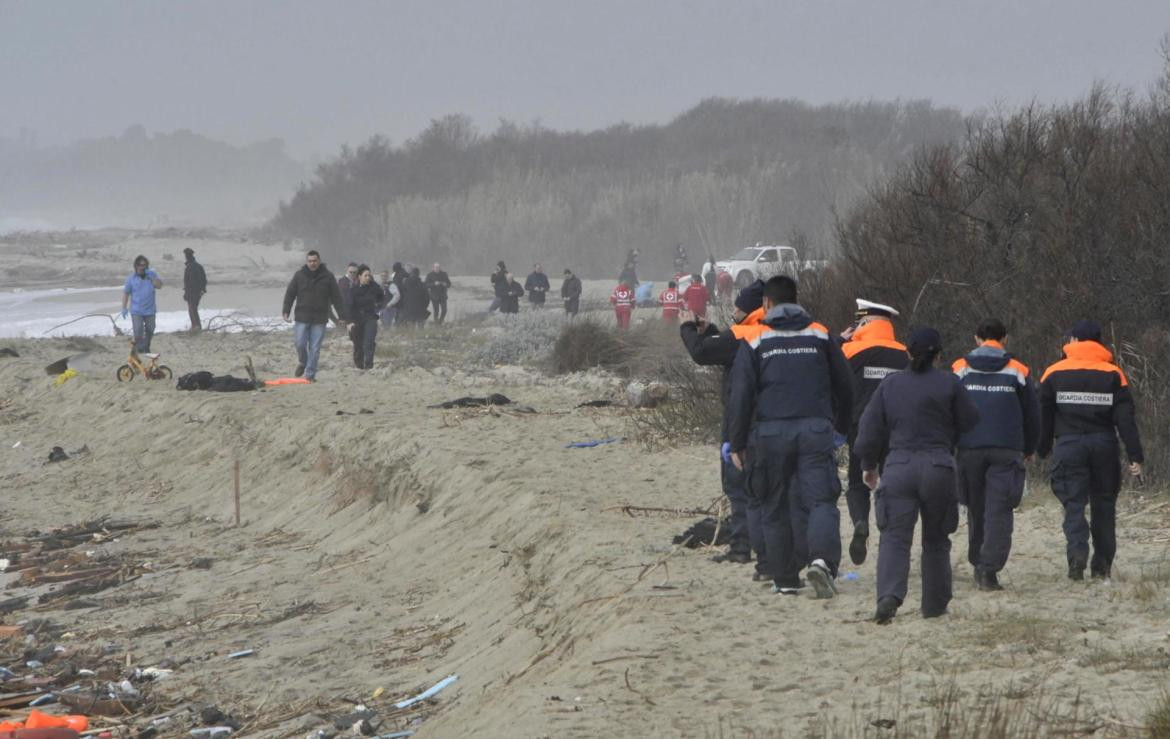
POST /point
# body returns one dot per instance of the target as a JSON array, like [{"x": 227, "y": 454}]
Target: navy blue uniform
[
  {"x": 918, "y": 416},
  {"x": 991, "y": 455},
  {"x": 790, "y": 388},
  {"x": 1085, "y": 404}
]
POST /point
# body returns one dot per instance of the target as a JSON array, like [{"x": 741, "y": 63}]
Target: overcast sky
[{"x": 318, "y": 74}]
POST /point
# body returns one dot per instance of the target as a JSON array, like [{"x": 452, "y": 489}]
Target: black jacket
[
  {"x": 437, "y": 284},
  {"x": 510, "y": 298},
  {"x": 537, "y": 286},
  {"x": 1005, "y": 394},
  {"x": 415, "y": 302},
  {"x": 194, "y": 280},
  {"x": 1086, "y": 393},
  {"x": 500, "y": 282},
  {"x": 791, "y": 370},
  {"x": 571, "y": 288},
  {"x": 712, "y": 348},
  {"x": 366, "y": 301},
  {"x": 914, "y": 412},
  {"x": 314, "y": 293},
  {"x": 873, "y": 353}
]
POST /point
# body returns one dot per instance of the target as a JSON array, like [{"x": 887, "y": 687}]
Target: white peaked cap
[{"x": 870, "y": 308}]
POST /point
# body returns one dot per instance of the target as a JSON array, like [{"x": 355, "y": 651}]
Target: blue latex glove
[
  {"x": 839, "y": 440},
  {"x": 725, "y": 452},
  {"x": 125, "y": 313}
]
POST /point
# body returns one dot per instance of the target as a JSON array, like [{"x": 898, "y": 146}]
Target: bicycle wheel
[
  {"x": 163, "y": 372},
  {"x": 125, "y": 373}
]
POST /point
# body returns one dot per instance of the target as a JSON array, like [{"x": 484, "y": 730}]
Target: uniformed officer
[
  {"x": 710, "y": 346},
  {"x": 873, "y": 353},
  {"x": 1084, "y": 404},
  {"x": 790, "y": 388},
  {"x": 917, "y": 414},
  {"x": 992, "y": 455}
]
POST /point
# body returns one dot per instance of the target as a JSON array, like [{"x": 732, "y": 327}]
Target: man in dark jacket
[
  {"x": 873, "y": 353},
  {"x": 315, "y": 292},
  {"x": 510, "y": 297},
  {"x": 571, "y": 293},
  {"x": 537, "y": 286},
  {"x": 194, "y": 287},
  {"x": 708, "y": 346},
  {"x": 438, "y": 283},
  {"x": 348, "y": 280},
  {"x": 992, "y": 455},
  {"x": 1085, "y": 404},
  {"x": 415, "y": 300},
  {"x": 790, "y": 387}
]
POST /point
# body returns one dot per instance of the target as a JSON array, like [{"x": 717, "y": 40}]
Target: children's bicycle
[{"x": 134, "y": 366}]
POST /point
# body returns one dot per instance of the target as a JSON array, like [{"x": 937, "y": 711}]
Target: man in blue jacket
[
  {"x": 138, "y": 301},
  {"x": 991, "y": 456},
  {"x": 790, "y": 388}
]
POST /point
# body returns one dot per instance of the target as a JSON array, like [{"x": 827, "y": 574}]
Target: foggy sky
[{"x": 322, "y": 73}]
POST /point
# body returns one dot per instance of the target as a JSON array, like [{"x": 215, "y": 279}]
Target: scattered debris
[
  {"x": 471, "y": 402},
  {"x": 57, "y": 454},
  {"x": 597, "y": 404},
  {"x": 708, "y": 532},
  {"x": 8, "y": 352},
  {"x": 428, "y": 693},
  {"x": 647, "y": 394},
  {"x": 596, "y": 442}
]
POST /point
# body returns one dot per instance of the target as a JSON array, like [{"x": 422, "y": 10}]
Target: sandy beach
[{"x": 385, "y": 545}]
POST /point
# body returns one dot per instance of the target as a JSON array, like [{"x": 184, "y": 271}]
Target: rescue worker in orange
[
  {"x": 709, "y": 346},
  {"x": 1085, "y": 404},
  {"x": 622, "y": 299},
  {"x": 671, "y": 302},
  {"x": 873, "y": 353}
]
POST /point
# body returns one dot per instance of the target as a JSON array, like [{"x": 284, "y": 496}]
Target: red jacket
[
  {"x": 696, "y": 297},
  {"x": 670, "y": 300},
  {"x": 623, "y": 295}
]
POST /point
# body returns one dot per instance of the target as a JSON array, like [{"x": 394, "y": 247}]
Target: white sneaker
[{"x": 821, "y": 578}]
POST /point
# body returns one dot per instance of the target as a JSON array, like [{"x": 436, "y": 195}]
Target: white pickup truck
[{"x": 758, "y": 262}]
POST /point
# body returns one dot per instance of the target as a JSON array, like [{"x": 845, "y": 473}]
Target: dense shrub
[
  {"x": 584, "y": 344},
  {"x": 523, "y": 338}
]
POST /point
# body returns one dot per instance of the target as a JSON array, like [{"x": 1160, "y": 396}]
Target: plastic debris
[
  {"x": 428, "y": 693},
  {"x": 212, "y": 731},
  {"x": 65, "y": 377},
  {"x": 593, "y": 443},
  {"x": 851, "y": 577},
  {"x": 241, "y": 654}
]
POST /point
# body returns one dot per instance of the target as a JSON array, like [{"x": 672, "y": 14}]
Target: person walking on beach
[
  {"x": 671, "y": 303},
  {"x": 194, "y": 287},
  {"x": 393, "y": 297},
  {"x": 315, "y": 293},
  {"x": 696, "y": 296},
  {"x": 414, "y": 307},
  {"x": 348, "y": 280},
  {"x": 623, "y": 300},
  {"x": 790, "y": 388},
  {"x": 138, "y": 301},
  {"x": 366, "y": 300},
  {"x": 438, "y": 283},
  {"x": 499, "y": 280},
  {"x": 709, "y": 346},
  {"x": 992, "y": 455},
  {"x": 571, "y": 293},
  {"x": 1085, "y": 403},
  {"x": 537, "y": 286},
  {"x": 873, "y": 353},
  {"x": 916, "y": 413},
  {"x": 510, "y": 297}
]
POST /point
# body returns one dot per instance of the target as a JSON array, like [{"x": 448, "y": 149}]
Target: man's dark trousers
[
  {"x": 991, "y": 484},
  {"x": 1086, "y": 472}
]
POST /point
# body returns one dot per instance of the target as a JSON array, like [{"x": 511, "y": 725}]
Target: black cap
[
  {"x": 568, "y": 271},
  {"x": 189, "y": 251},
  {"x": 500, "y": 264},
  {"x": 924, "y": 340},
  {"x": 1086, "y": 330},
  {"x": 751, "y": 297}
]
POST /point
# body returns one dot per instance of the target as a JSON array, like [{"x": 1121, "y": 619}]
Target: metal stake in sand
[{"x": 237, "y": 481}]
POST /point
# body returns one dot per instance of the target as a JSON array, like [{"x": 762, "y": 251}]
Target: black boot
[
  {"x": 1076, "y": 568},
  {"x": 887, "y": 607},
  {"x": 985, "y": 580},
  {"x": 857, "y": 547}
]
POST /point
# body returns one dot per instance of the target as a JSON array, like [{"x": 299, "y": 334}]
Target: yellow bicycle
[{"x": 134, "y": 366}]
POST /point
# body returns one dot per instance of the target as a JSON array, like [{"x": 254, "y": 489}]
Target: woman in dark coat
[
  {"x": 365, "y": 301},
  {"x": 916, "y": 413}
]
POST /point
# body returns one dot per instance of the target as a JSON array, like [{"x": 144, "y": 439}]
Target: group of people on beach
[{"x": 922, "y": 440}]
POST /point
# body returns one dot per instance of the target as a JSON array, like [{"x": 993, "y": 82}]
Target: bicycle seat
[{"x": 151, "y": 355}]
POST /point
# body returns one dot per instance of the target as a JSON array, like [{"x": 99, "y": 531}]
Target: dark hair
[
  {"x": 672, "y": 283},
  {"x": 697, "y": 277},
  {"x": 925, "y": 344},
  {"x": 362, "y": 268},
  {"x": 313, "y": 253},
  {"x": 991, "y": 329},
  {"x": 923, "y": 360},
  {"x": 780, "y": 289},
  {"x": 352, "y": 264},
  {"x": 141, "y": 259}
]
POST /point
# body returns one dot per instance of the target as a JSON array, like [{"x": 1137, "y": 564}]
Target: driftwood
[{"x": 117, "y": 331}]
